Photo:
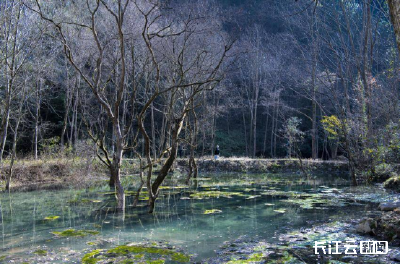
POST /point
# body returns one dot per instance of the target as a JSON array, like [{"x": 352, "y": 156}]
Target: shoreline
[{"x": 52, "y": 174}]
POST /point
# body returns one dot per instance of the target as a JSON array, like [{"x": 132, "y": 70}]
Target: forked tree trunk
[{"x": 167, "y": 165}]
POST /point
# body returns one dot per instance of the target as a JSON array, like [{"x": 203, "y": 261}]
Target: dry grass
[{"x": 30, "y": 173}]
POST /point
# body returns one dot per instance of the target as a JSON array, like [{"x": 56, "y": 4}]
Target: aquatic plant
[
  {"x": 135, "y": 253},
  {"x": 51, "y": 218},
  {"x": 75, "y": 233},
  {"x": 214, "y": 194},
  {"x": 40, "y": 252},
  {"x": 212, "y": 211}
]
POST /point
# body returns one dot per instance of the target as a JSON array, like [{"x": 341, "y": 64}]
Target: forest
[{"x": 152, "y": 88}]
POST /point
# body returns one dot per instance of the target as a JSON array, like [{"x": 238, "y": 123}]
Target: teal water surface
[{"x": 256, "y": 205}]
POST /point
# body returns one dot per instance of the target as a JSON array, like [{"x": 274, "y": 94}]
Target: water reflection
[{"x": 244, "y": 204}]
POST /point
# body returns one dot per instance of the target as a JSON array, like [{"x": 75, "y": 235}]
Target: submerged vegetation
[
  {"x": 75, "y": 233},
  {"x": 51, "y": 218},
  {"x": 135, "y": 254}
]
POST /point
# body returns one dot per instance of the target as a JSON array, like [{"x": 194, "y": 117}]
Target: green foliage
[
  {"x": 331, "y": 125},
  {"x": 231, "y": 143}
]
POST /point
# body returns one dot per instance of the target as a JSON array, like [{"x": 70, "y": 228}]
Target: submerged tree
[{"x": 130, "y": 53}]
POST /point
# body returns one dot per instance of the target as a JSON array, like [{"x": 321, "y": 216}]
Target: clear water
[{"x": 178, "y": 220}]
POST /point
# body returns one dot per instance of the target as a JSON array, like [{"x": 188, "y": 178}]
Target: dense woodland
[{"x": 144, "y": 78}]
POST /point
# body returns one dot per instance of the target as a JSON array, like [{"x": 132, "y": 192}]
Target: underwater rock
[
  {"x": 389, "y": 206},
  {"x": 366, "y": 226},
  {"x": 395, "y": 256}
]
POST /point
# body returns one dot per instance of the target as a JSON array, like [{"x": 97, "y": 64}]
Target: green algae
[
  {"x": 40, "y": 252},
  {"x": 312, "y": 201},
  {"x": 123, "y": 250},
  {"x": 214, "y": 194},
  {"x": 135, "y": 254},
  {"x": 51, "y": 218},
  {"x": 91, "y": 257},
  {"x": 212, "y": 211},
  {"x": 75, "y": 233},
  {"x": 256, "y": 257}
]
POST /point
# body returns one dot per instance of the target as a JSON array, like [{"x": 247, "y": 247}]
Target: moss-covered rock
[
  {"x": 135, "y": 253},
  {"x": 393, "y": 183}
]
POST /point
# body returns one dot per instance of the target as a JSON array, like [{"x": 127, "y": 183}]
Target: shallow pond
[{"x": 198, "y": 220}]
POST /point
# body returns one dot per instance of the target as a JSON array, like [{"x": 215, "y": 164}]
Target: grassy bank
[{"x": 63, "y": 173}]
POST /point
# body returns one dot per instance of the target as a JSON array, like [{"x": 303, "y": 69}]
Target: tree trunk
[
  {"x": 153, "y": 132},
  {"x": 266, "y": 134},
  {"x": 13, "y": 155},
  {"x": 394, "y": 8},
  {"x": 37, "y": 113},
  {"x": 167, "y": 165},
  {"x": 245, "y": 133},
  {"x": 314, "y": 144},
  {"x": 4, "y": 127},
  {"x": 115, "y": 172},
  {"x": 14, "y": 144},
  {"x": 255, "y": 129}
]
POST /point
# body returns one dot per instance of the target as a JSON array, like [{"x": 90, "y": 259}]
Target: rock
[
  {"x": 395, "y": 257},
  {"x": 365, "y": 226},
  {"x": 393, "y": 184},
  {"x": 389, "y": 206}
]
